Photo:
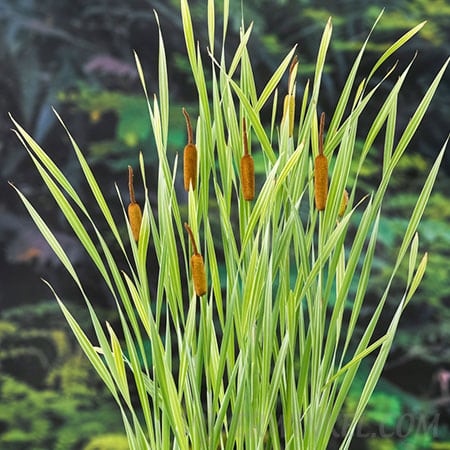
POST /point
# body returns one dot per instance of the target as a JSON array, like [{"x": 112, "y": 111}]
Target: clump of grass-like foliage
[{"x": 264, "y": 358}]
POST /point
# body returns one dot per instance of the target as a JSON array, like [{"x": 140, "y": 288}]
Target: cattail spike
[
  {"x": 134, "y": 210},
  {"x": 289, "y": 112},
  {"x": 189, "y": 157},
  {"x": 247, "y": 168},
  {"x": 344, "y": 203},
  {"x": 289, "y": 99},
  {"x": 197, "y": 266},
  {"x": 198, "y": 274},
  {"x": 321, "y": 171}
]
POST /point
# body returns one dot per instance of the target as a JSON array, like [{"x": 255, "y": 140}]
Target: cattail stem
[
  {"x": 321, "y": 130},
  {"x": 291, "y": 71},
  {"x": 191, "y": 236},
  {"x": 244, "y": 136},
  {"x": 188, "y": 127},
  {"x": 130, "y": 185}
]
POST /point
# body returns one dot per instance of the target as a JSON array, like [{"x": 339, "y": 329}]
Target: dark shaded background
[{"x": 77, "y": 56}]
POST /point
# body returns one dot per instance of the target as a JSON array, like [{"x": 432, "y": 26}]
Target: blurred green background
[{"x": 77, "y": 56}]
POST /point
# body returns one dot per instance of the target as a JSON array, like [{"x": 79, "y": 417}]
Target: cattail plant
[
  {"x": 134, "y": 210},
  {"x": 267, "y": 359},
  {"x": 289, "y": 99},
  {"x": 321, "y": 171},
  {"x": 247, "y": 168},
  {"x": 189, "y": 157},
  {"x": 344, "y": 203},
  {"x": 197, "y": 266}
]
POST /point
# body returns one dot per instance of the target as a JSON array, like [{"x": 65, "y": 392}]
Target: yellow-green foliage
[
  {"x": 61, "y": 341},
  {"x": 70, "y": 377},
  {"x": 6, "y": 328},
  {"x": 108, "y": 442},
  {"x": 57, "y": 405}
]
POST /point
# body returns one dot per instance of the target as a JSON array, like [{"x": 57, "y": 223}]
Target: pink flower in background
[{"x": 108, "y": 65}]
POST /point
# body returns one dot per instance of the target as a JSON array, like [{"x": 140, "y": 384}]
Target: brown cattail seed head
[
  {"x": 197, "y": 266},
  {"x": 344, "y": 203},
  {"x": 190, "y": 166},
  {"x": 134, "y": 210},
  {"x": 321, "y": 181},
  {"x": 321, "y": 172},
  {"x": 247, "y": 169},
  {"x": 248, "y": 177},
  {"x": 198, "y": 274},
  {"x": 135, "y": 218},
  {"x": 189, "y": 157}
]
